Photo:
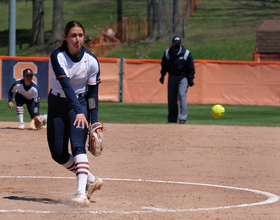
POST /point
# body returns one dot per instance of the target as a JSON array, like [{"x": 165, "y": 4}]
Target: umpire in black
[{"x": 178, "y": 62}]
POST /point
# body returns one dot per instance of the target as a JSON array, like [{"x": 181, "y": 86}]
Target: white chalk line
[{"x": 272, "y": 198}]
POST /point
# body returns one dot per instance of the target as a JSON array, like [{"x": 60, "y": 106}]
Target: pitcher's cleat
[
  {"x": 91, "y": 187},
  {"x": 21, "y": 126},
  {"x": 80, "y": 199}
]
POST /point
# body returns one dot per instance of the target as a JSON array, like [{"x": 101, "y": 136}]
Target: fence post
[{"x": 121, "y": 59}]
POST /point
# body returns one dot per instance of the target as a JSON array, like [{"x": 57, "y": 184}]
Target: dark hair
[{"x": 68, "y": 27}]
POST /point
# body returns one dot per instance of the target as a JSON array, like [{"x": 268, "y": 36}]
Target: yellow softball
[{"x": 218, "y": 111}]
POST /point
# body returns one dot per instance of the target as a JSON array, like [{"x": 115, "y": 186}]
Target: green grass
[
  {"x": 127, "y": 113},
  {"x": 11, "y": 115},
  {"x": 101, "y": 13},
  {"x": 218, "y": 30}
]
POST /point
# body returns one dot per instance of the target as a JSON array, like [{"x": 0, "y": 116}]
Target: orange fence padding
[
  {"x": 109, "y": 69},
  {"x": 110, "y": 79},
  {"x": 141, "y": 82},
  {"x": 223, "y": 82},
  {"x": 216, "y": 82}
]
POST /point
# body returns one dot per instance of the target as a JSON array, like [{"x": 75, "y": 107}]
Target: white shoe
[
  {"x": 44, "y": 119},
  {"x": 91, "y": 187},
  {"x": 44, "y": 124},
  {"x": 21, "y": 126},
  {"x": 80, "y": 199}
]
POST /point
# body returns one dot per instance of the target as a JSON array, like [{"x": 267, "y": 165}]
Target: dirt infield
[{"x": 162, "y": 172}]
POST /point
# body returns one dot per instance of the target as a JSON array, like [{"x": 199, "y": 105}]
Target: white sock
[
  {"x": 20, "y": 110},
  {"x": 91, "y": 178},
  {"x": 82, "y": 167},
  {"x": 70, "y": 164}
]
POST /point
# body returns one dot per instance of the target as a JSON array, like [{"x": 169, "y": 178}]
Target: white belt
[{"x": 64, "y": 96}]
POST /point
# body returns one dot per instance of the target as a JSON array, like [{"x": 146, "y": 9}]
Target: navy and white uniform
[
  {"x": 28, "y": 95},
  {"x": 180, "y": 67},
  {"x": 73, "y": 90}
]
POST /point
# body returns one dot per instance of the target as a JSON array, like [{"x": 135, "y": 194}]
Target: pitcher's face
[{"x": 75, "y": 39}]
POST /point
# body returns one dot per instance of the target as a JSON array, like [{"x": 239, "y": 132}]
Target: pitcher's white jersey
[{"x": 82, "y": 71}]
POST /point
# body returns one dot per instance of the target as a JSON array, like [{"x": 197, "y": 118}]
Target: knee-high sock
[
  {"x": 82, "y": 167},
  {"x": 20, "y": 110},
  {"x": 70, "y": 165},
  {"x": 91, "y": 177}
]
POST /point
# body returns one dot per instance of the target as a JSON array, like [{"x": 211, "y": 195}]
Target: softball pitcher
[{"x": 72, "y": 105}]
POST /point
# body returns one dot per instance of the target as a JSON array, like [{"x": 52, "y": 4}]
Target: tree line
[
  {"x": 159, "y": 12},
  {"x": 160, "y": 17},
  {"x": 38, "y": 32}
]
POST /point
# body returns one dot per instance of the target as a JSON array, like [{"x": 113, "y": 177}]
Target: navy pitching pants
[{"x": 60, "y": 129}]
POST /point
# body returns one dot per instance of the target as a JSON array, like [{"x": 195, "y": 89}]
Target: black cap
[
  {"x": 176, "y": 39},
  {"x": 27, "y": 71}
]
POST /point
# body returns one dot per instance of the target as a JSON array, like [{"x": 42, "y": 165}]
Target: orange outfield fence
[
  {"x": 137, "y": 81},
  {"x": 110, "y": 79},
  {"x": 11, "y": 69},
  {"x": 223, "y": 82}
]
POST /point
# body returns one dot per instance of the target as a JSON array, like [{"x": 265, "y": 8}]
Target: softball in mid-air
[{"x": 218, "y": 111}]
